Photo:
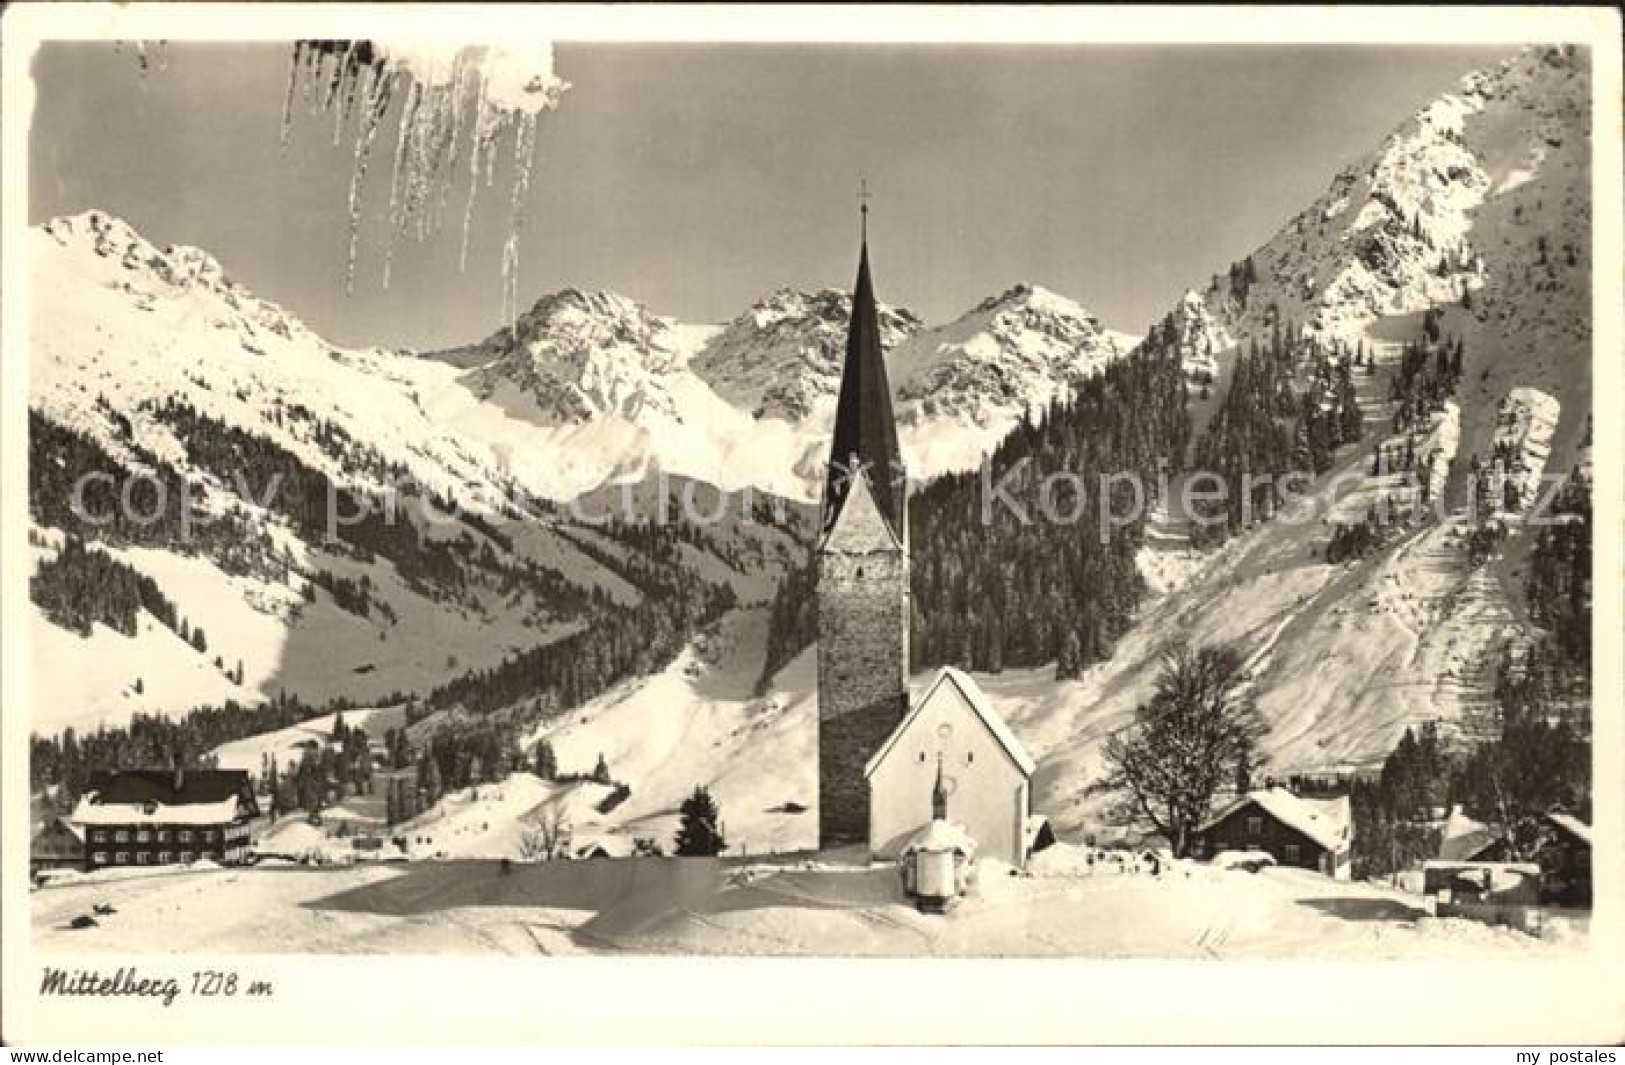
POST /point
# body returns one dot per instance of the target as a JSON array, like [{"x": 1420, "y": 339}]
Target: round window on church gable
[{"x": 945, "y": 730}]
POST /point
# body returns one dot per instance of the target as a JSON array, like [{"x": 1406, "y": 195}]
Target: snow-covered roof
[
  {"x": 615, "y": 846},
  {"x": 941, "y": 835},
  {"x": 978, "y": 703},
  {"x": 1462, "y": 837},
  {"x": 1324, "y": 822},
  {"x": 1034, "y": 825},
  {"x": 1573, "y": 825},
  {"x": 340, "y": 812},
  {"x": 91, "y": 812},
  {"x": 860, "y": 510}
]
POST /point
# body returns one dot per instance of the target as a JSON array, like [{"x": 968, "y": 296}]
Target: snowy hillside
[
  {"x": 157, "y": 362},
  {"x": 1478, "y": 207},
  {"x": 1478, "y": 204}
]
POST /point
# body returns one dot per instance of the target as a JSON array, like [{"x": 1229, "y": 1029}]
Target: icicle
[
  {"x": 474, "y": 151},
  {"x": 524, "y": 142},
  {"x": 318, "y": 77},
  {"x": 343, "y": 62},
  {"x": 313, "y": 66},
  {"x": 396, "y": 220},
  {"x": 293, "y": 85},
  {"x": 358, "y": 172},
  {"x": 458, "y": 90},
  {"x": 429, "y": 141},
  {"x": 345, "y": 82}
]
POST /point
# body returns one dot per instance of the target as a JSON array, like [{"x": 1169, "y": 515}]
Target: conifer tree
[
  {"x": 547, "y": 762},
  {"x": 1069, "y": 660},
  {"x": 699, "y": 833}
]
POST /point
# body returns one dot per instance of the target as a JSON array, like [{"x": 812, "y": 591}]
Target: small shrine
[{"x": 936, "y": 862}]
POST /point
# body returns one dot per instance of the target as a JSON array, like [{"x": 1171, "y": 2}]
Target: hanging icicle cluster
[{"x": 452, "y": 102}]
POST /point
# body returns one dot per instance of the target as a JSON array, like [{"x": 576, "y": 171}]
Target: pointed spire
[
  {"x": 939, "y": 795},
  {"x": 865, "y": 439}
]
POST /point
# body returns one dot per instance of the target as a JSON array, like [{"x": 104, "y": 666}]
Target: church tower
[{"x": 863, "y": 592}]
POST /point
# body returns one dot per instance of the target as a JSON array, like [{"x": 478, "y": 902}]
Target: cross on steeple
[{"x": 863, "y": 206}]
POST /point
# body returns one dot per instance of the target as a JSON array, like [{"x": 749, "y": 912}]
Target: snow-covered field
[
  {"x": 792, "y": 907},
  {"x": 288, "y": 745}
]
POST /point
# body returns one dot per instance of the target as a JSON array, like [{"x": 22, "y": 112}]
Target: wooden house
[
  {"x": 138, "y": 817},
  {"x": 1296, "y": 832}
]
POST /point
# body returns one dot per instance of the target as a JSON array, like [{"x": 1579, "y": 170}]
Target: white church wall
[{"x": 988, "y": 793}]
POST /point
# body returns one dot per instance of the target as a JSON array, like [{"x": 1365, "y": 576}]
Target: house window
[
  {"x": 100, "y": 835},
  {"x": 143, "y": 858},
  {"x": 1197, "y": 850},
  {"x": 163, "y": 835},
  {"x": 163, "y": 857},
  {"x": 1255, "y": 826},
  {"x": 186, "y": 856},
  {"x": 99, "y": 858},
  {"x": 1291, "y": 852},
  {"x": 922, "y": 756},
  {"x": 122, "y": 858},
  {"x": 970, "y": 756},
  {"x": 184, "y": 836},
  {"x": 123, "y": 836},
  {"x": 143, "y": 836}
]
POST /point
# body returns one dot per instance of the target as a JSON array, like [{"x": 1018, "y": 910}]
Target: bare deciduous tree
[
  {"x": 1184, "y": 744},
  {"x": 547, "y": 835}
]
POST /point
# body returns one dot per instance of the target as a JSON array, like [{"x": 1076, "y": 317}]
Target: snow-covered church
[{"x": 880, "y": 759}]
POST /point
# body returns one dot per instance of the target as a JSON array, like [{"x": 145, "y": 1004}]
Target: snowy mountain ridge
[
  {"x": 588, "y": 389},
  {"x": 782, "y": 356}
]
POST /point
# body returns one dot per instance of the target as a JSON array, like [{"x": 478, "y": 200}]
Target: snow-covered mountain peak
[
  {"x": 1404, "y": 228},
  {"x": 581, "y": 355},
  {"x": 782, "y": 356},
  {"x": 96, "y": 232},
  {"x": 108, "y": 250},
  {"x": 1025, "y": 294},
  {"x": 100, "y": 233},
  {"x": 1019, "y": 349}
]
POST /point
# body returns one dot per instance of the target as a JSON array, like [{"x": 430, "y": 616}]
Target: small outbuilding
[
  {"x": 936, "y": 861},
  {"x": 1564, "y": 856},
  {"x": 57, "y": 844}
]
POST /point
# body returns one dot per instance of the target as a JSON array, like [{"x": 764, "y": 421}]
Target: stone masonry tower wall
[{"x": 863, "y": 629}]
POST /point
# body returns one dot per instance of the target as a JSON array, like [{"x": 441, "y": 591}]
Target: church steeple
[
  {"x": 863, "y": 596},
  {"x": 865, "y": 441}
]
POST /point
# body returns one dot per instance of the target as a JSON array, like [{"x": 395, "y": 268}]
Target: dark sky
[{"x": 695, "y": 178}]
